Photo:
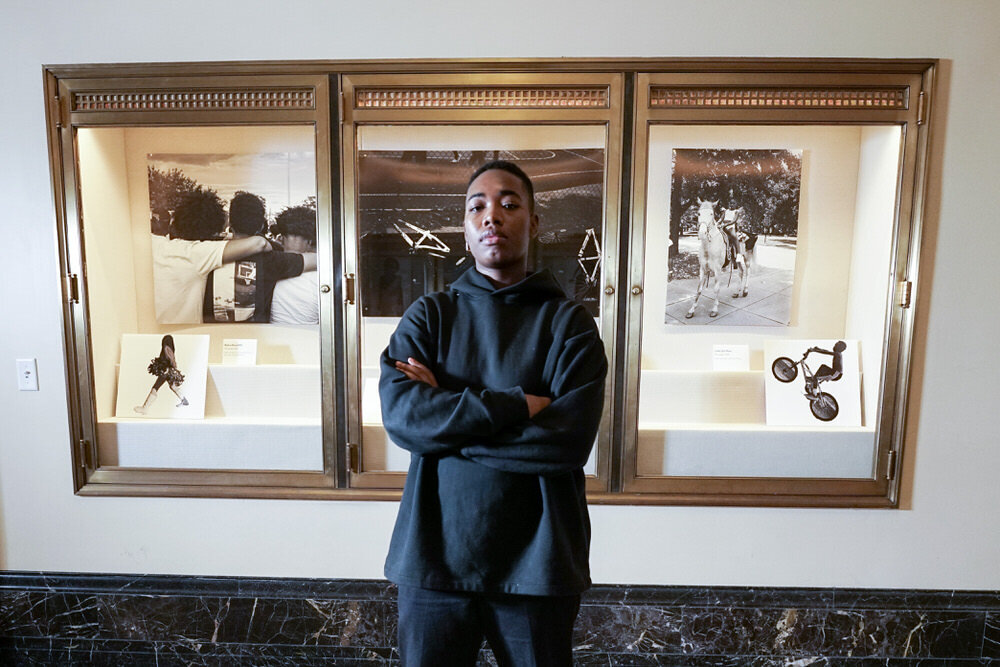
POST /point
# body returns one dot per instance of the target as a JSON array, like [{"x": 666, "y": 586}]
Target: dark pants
[{"x": 446, "y": 628}]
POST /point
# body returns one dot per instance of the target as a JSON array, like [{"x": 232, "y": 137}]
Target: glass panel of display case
[
  {"x": 765, "y": 294},
  {"x": 411, "y": 184},
  {"x": 202, "y": 294}
]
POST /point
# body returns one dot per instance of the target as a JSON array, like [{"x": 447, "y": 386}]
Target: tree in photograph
[
  {"x": 166, "y": 190},
  {"x": 766, "y": 183}
]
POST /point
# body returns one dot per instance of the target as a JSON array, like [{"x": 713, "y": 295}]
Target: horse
[
  {"x": 743, "y": 250},
  {"x": 711, "y": 254}
]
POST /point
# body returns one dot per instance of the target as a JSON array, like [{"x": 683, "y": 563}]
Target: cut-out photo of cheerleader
[
  {"x": 178, "y": 364},
  {"x": 164, "y": 368}
]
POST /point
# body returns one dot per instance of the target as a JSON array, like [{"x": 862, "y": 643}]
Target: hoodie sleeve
[
  {"x": 559, "y": 438},
  {"x": 434, "y": 420}
]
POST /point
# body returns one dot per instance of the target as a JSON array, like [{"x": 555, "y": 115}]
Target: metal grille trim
[
  {"x": 894, "y": 98},
  {"x": 481, "y": 98},
  {"x": 195, "y": 100}
]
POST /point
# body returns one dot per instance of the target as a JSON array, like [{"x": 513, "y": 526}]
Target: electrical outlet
[{"x": 27, "y": 375}]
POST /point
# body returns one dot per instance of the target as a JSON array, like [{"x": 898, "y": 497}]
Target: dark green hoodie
[{"x": 494, "y": 501}]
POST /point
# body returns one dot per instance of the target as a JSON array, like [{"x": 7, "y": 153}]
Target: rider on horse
[{"x": 730, "y": 227}]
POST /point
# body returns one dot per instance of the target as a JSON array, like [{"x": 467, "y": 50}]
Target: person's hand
[
  {"x": 415, "y": 370},
  {"x": 536, "y": 404}
]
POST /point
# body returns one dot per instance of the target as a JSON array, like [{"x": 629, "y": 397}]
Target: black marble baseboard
[{"x": 86, "y": 619}]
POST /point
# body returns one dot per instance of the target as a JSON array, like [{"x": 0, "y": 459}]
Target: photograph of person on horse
[{"x": 733, "y": 231}]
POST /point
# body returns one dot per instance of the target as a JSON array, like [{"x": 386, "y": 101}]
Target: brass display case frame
[
  {"x": 181, "y": 101},
  {"x": 628, "y": 117},
  {"x": 789, "y": 98},
  {"x": 481, "y": 100}
]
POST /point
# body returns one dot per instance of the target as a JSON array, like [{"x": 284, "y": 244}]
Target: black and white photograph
[
  {"x": 734, "y": 216},
  {"x": 228, "y": 231},
  {"x": 812, "y": 382},
  {"x": 162, "y": 376},
  {"x": 412, "y": 208}
]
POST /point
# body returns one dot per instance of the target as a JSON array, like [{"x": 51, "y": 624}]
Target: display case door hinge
[
  {"x": 890, "y": 468},
  {"x": 72, "y": 288},
  {"x": 349, "y": 286},
  {"x": 86, "y": 458},
  {"x": 905, "y": 293},
  {"x": 57, "y": 112},
  {"x": 340, "y": 107},
  {"x": 921, "y": 108},
  {"x": 353, "y": 457}
]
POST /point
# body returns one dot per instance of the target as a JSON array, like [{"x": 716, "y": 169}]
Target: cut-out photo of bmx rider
[{"x": 823, "y": 405}]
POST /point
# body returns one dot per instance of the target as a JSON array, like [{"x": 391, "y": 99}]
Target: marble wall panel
[
  {"x": 991, "y": 639},
  {"x": 67, "y": 619},
  {"x": 626, "y": 629}
]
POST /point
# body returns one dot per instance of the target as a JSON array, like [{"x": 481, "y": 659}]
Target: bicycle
[{"x": 822, "y": 405}]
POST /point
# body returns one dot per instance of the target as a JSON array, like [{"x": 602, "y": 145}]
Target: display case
[
  {"x": 196, "y": 370},
  {"x": 774, "y": 251},
  {"x": 239, "y": 240},
  {"x": 410, "y": 144}
]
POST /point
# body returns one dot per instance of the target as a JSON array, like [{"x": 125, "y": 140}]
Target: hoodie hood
[{"x": 540, "y": 285}]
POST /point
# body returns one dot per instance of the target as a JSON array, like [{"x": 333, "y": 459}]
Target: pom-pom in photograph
[{"x": 162, "y": 376}]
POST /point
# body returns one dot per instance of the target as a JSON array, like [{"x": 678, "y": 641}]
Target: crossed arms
[{"x": 504, "y": 428}]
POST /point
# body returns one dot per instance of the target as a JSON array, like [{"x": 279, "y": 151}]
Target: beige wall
[{"x": 945, "y": 536}]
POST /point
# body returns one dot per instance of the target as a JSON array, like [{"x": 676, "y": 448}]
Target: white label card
[
  {"x": 731, "y": 357},
  {"x": 239, "y": 351}
]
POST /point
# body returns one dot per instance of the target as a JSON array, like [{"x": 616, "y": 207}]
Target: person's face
[
  {"x": 295, "y": 243},
  {"x": 499, "y": 224}
]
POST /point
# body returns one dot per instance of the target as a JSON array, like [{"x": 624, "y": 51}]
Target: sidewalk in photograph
[{"x": 769, "y": 291}]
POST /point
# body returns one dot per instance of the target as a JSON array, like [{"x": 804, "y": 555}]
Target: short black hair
[
  {"x": 510, "y": 168},
  {"x": 246, "y": 214},
  {"x": 199, "y": 217},
  {"x": 297, "y": 221}
]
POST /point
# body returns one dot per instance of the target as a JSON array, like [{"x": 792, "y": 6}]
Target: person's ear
[{"x": 534, "y": 225}]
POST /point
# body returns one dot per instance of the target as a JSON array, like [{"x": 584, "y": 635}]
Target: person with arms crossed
[{"x": 496, "y": 388}]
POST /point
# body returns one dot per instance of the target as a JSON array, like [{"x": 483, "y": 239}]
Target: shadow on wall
[{"x": 929, "y": 233}]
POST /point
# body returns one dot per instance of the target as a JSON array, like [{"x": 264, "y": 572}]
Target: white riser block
[
  {"x": 279, "y": 391},
  {"x": 211, "y": 444},
  {"x": 757, "y": 452},
  {"x": 695, "y": 397}
]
